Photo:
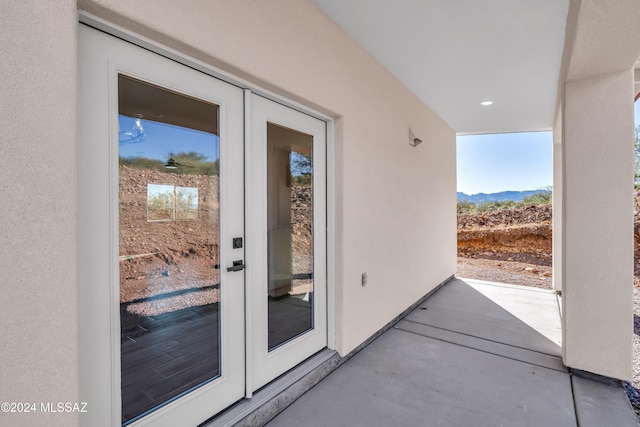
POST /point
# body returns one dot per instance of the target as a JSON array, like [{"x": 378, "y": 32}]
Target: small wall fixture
[{"x": 413, "y": 140}]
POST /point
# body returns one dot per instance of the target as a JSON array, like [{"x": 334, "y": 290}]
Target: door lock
[{"x": 238, "y": 265}]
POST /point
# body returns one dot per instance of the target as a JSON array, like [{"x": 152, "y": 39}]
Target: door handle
[{"x": 238, "y": 265}]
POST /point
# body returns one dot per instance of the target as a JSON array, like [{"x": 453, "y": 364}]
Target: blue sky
[
  {"x": 503, "y": 162},
  {"x": 160, "y": 139}
]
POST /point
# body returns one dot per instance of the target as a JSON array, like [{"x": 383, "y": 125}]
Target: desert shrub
[
  {"x": 302, "y": 179},
  {"x": 186, "y": 203},
  {"x": 160, "y": 206},
  {"x": 301, "y": 168},
  {"x": 466, "y": 207},
  {"x": 138, "y": 162},
  {"x": 494, "y": 206},
  {"x": 542, "y": 197},
  {"x": 191, "y": 163}
]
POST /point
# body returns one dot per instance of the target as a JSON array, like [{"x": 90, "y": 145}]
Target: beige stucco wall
[
  {"x": 38, "y": 306},
  {"x": 395, "y": 205},
  {"x": 558, "y": 192},
  {"x": 598, "y": 226}
]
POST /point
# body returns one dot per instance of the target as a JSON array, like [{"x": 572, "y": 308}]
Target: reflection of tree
[
  {"x": 143, "y": 163},
  {"x": 195, "y": 164},
  {"x": 174, "y": 203},
  {"x": 186, "y": 198},
  {"x": 160, "y": 206},
  {"x": 190, "y": 163},
  {"x": 301, "y": 168}
]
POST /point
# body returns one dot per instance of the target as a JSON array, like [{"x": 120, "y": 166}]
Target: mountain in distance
[{"x": 502, "y": 196}]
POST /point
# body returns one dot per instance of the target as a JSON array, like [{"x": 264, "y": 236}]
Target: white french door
[
  {"x": 202, "y": 236},
  {"x": 286, "y": 281},
  {"x": 161, "y": 201}
]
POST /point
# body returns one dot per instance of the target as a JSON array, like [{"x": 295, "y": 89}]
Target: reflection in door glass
[
  {"x": 290, "y": 233},
  {"x": 169, "y": 228},
  {"x": 171, "y": 203}
]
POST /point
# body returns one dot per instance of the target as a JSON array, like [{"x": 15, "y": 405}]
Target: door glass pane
[
  {"x": 290, "y": 233},
  {"x": 169, "y": 252}
]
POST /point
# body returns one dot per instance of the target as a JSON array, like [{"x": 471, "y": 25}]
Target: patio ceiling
[{"x": 455, "y": 54}]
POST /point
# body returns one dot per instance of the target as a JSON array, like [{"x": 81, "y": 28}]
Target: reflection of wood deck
[
  {"x": 289, "y": 317},
  {"x": 164, "y": 356},
  {"x": 178, "y": 351}
]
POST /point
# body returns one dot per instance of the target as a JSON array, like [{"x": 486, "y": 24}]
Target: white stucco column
[
  {"x": 557, "y": 202},
  {"x": 597, "y": 226}
]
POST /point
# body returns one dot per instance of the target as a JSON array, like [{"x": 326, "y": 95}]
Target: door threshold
[{"x": 276, "y": 396}]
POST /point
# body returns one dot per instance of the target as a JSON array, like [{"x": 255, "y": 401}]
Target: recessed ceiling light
[{"x": 486, "y": 103}]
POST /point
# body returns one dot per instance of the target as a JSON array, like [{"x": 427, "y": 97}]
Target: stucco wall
[
  {"x": 395, "y": 207},
  {"x": 598, "y": 226},
  {"x": 38, "y": 306},
  {"x": 557, "y": 202}
]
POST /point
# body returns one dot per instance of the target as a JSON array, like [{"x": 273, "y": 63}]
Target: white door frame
[
  {"x": 99, "y": 232},
  {"x": 249, "y": 88},
  {"x": 153, "y": 46},
  {"x": 264, "y": 365}
]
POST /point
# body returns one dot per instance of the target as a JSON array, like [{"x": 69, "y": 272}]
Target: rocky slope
[
  {"x": 519, "y": 234},
  {"x": 160, "y": 257}
]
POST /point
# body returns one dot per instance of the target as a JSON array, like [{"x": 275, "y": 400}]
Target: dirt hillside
[
  {"x": 518, "y": 234},
  {"x": 181, "y": 253}
]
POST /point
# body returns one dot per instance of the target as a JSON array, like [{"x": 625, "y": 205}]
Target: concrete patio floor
[{"x": 474, "y": 354}]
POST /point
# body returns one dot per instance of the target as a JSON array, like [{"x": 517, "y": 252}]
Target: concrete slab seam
[
  {"x": 573, "y": 397},
  {"x": 506, "y": 285},
  {"x": 484, "y": 351},
  {"x": 604, "y": 381},
  {"x": 480, "y": 338}
]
